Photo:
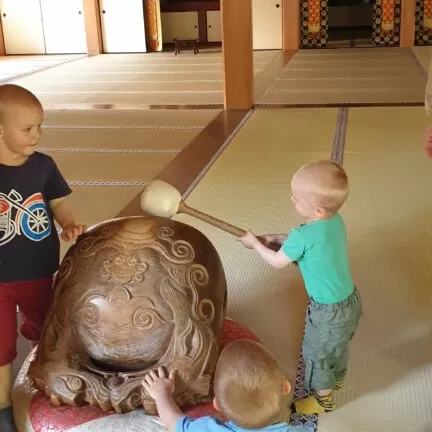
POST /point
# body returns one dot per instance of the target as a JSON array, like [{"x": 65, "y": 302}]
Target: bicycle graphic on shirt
[{"x": 31, "y": 217}]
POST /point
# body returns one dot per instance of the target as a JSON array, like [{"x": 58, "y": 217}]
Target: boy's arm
[
  {"x": 64, "y": 217},
  {"x": 62, "y": 213},
  {"x": 160, "y": 387},
  {"x": 291, "y": 250},
  {"x": 168, "y": 410},
  {"x": 275, "y": 259}
]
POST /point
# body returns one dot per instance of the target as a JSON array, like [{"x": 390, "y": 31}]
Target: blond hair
[
  {"x": 248, "y": 385},
  {"x": 11, "y": 94},
  {"x": 326, "y": 182}
]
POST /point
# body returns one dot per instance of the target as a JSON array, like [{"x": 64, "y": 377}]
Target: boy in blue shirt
[
  {"x": 319, "y": 247},
  {"x": 249, "y": 390}
]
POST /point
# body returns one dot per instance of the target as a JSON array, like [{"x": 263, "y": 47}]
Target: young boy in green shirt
[{"x": 319, "y": 247}]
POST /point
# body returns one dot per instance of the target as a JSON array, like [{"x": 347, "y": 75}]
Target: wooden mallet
[{"x": 162, "y": 199}]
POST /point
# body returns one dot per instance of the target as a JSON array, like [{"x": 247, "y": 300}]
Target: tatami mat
[
  {"x": 249, "y": 186},
  {"x": 388, "y": 218},
  {"x": 13, "y": 66},
  {"x": 349, "y": 76},
  {"x": 95, "y": 204},
  {"x": 108, "y": 198},
  {"x": 133, "y": 132},
  {"x": 107, "y": 156},
  {"x": 158, "y": 119},
  {"x": 389, "y": 171},
  {"x": 116, "y": 140},
  {"x": 137, "y": 79},
  {"x": 123, "y": 167}
]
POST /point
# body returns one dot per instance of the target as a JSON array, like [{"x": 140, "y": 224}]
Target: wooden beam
[
  {"x": 2, "y": 43},
  {"x": 93, "y": 27},
  {"x": 211, "y": 5},
  {"x": 202, "y": 27},
  {"x": 290, "y": 25},
  {"x": 407, "y": 23},
  {"x": 237, "y": 53}
]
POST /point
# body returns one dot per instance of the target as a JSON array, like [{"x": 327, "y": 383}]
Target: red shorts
[{"x": 33, "y": 299}]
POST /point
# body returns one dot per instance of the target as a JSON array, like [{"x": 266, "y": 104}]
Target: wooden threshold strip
[
  {"x": 341, "y": 105},
  {"x": 274, "y": 69}
]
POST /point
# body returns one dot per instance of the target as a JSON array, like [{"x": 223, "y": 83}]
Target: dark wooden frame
[
  {"x": 196, "y": 6},
  {"x": 210, "y": 5}
]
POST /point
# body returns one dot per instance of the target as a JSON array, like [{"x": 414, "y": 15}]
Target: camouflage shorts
[{"x": 329, "y": 329}]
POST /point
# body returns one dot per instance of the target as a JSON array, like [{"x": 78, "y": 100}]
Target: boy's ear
[
  {"x": 286, "y": 387},
  {"x": 216, "y": 405}
]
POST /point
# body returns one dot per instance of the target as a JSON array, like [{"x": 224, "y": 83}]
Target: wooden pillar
[
  {"x": 237, "y": 52},
  {"x": 291, "y": 25},
  {"x": 93, "y": 27},
  {"x": 407, "y": 23},
  {"x": 2, "y": 44}
]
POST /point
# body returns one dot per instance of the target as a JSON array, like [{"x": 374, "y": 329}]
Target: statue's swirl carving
[
  {"x": 197, "y": 276},
  {"x": 180, "y": 249},
  {"x": 66, "y": 268},
  {"x": 90, "y": 315},
  {"x": 165, "y": 233},
  {"x": 146, "y": 318},
  {"x": 86, "y": 245}
]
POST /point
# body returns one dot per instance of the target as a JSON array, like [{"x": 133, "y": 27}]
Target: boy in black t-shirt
[{"x": 32, "y": 197}]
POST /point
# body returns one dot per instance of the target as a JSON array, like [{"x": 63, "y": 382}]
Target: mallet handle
[
  {"x": 225, "y": 226},
  {"x": 184, "y": 208}
]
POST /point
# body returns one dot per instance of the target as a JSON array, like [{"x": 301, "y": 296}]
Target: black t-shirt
[{"x": 29, "y": 243}]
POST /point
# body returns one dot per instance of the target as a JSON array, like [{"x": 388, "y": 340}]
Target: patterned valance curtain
[
  {"x": 423, "y": 28},
  {"x": 314, "y": 23},
  {"x": 386, "y": 22}
]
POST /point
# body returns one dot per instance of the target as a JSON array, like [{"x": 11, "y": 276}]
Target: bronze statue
[{"x": 131, "y": 295}]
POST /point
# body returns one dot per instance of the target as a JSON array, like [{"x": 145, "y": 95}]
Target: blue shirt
[{"x": 212, "y": 424}]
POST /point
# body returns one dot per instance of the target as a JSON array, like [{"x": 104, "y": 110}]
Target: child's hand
[
  {"x": 427, "y": 143},
  {"x": 267, "y": 239},
  {"x": 71, "y": 232},
  {"x": 157, "y": 384},
  {"x": 249, "y": 240}
]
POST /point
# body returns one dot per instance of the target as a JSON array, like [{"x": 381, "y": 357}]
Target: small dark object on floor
[
  {"x": 193, "y": 43},
  {"x": 6, "y": 420}
]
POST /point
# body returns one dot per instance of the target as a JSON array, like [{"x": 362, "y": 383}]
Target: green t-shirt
[{"x": 320, "y": 249}]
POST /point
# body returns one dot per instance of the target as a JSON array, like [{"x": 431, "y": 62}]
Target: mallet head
[{"x": 160, "y": 199}]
